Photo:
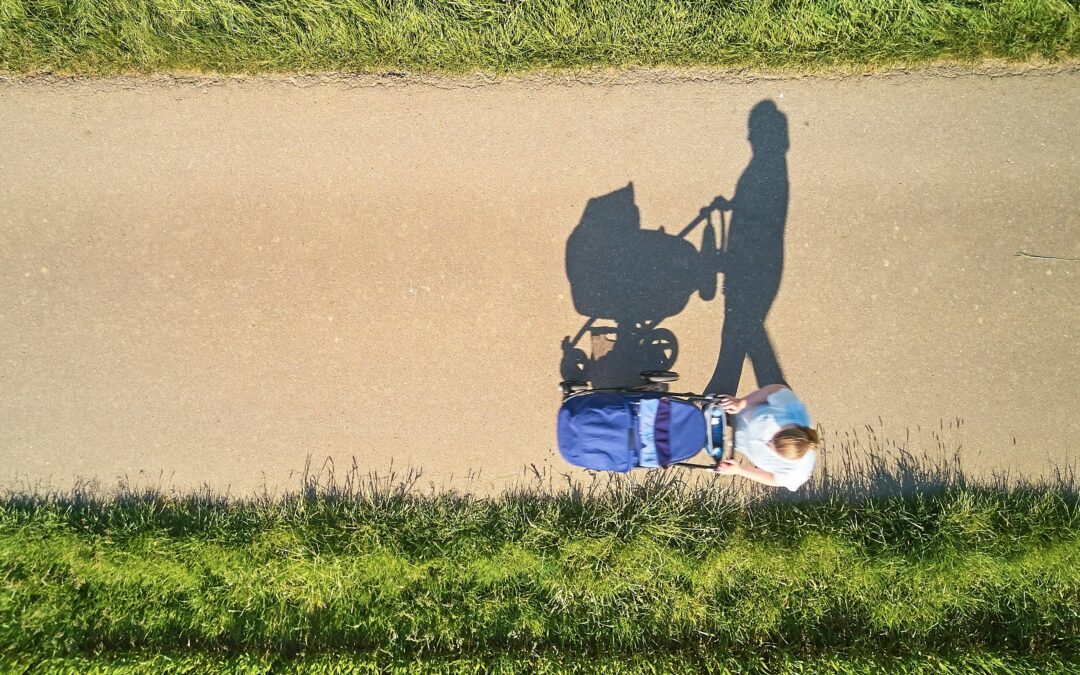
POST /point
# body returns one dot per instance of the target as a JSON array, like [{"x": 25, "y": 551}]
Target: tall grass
[
  {"x": 246, "y": 36},
  {"x": 627, "y": 573},
  {"x": 544, "y": 664}
]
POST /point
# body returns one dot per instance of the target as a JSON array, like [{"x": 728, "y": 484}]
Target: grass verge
[
  {"x": 623, "y": 573},
  {"x": 543, "y": 664},
  {"x": 255, "y": 36}
]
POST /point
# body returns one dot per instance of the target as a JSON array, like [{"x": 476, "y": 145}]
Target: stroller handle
[{"x": 712, "y": 419}]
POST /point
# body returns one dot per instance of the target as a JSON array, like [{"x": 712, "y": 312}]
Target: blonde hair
[{"x": 794, "y": 443}]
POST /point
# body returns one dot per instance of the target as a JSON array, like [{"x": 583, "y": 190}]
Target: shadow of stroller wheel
[
  {"x": 661, "y": 348},
  {"x": 573, "y": 365}
]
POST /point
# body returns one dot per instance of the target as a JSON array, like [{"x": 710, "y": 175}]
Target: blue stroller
[{"x": 644, "y": 426}]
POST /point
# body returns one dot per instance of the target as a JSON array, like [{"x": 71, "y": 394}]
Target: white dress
[{"x": 755, "y": 427}]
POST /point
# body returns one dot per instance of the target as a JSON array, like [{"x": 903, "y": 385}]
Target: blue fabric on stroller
[{"x": 602, "y": 431}]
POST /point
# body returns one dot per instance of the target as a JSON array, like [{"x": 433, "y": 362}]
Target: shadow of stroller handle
[{"x": 720, "y": 204}]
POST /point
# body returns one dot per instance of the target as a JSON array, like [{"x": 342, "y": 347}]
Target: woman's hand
[
  {"x": 732, "y": 404},
  {"x": 726, "y": 467},
  {"x": 720, "y": 204}
]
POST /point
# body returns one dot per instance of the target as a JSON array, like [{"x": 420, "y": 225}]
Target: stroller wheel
[
  {"x": 573, "y": 387},
  {"x": 658, "y": 376}
]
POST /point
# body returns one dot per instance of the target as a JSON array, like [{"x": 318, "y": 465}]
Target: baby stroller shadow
[{"x": 632, "y": 278}]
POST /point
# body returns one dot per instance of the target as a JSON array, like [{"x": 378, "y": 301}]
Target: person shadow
[
  {"x": 752, "y": 260},
  {"x": 623, "y": 274}
]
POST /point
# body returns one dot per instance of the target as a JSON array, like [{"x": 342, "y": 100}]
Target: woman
[{"x": 772, "y": 430}]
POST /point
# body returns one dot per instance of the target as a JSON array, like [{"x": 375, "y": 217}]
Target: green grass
[
  {"x": 623, "y": 574},
  {"x": 633, "y": 664},
  {"x": 502, "y": 36}
]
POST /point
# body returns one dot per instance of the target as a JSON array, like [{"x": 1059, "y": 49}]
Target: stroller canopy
[{"x": 601, "y": 431}]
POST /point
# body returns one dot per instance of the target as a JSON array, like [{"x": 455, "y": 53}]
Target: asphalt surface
[{"x": 214, "y": 282}]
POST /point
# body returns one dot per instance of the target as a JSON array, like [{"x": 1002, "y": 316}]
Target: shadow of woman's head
[{"x": 768, "y": 129}]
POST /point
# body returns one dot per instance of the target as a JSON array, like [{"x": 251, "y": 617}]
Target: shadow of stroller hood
[{"x": 619, "y": 271}]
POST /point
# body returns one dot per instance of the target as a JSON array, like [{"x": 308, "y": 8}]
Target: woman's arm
[
  {"x": 761, "y": 395},
  {"x": 731, "y": 404},
  {"x": 730, "y": 468}
]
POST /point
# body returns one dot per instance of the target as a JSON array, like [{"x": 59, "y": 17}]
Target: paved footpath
[{"x": 209, "y": 282}]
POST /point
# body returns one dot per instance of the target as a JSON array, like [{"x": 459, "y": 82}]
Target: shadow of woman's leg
[
  {"x": 763, "y": 356},
  {"x": 746, "y": 305},
  {"x": 733, "y": 348}
]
